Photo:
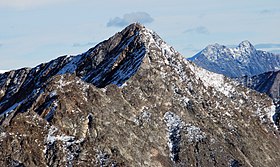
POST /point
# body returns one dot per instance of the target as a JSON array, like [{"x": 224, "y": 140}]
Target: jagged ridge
[
  {"x": 168, "y": 113},
  {"x": 244, "y": 60},
  {"x": 110, "y": 62}
]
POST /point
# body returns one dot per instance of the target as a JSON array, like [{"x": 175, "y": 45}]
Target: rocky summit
[{"x": 132, "y": 100}]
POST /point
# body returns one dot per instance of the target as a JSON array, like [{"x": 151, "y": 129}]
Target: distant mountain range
[
  {"x": 256, "y": 69},
  {"x": 243, "y": 60}
]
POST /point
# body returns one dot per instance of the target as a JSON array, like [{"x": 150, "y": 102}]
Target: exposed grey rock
[
  {"x": 124, "y": 102},
  {"x": 268, "y": 83}
]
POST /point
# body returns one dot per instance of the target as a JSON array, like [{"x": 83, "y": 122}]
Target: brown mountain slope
[{"x": 165, "y": 111}]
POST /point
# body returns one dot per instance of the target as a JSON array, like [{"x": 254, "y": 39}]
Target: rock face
[
  {"x": 268, "y": 83},
  {"x": 244, "y": 60},
  {"x": 132, "y": 101},
  {"x": 253, "y": 68}
]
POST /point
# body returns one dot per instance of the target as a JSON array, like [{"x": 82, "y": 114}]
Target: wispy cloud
[
  {"x": 267, "y": 45},
  {"x": 26, "y": 4},
  {"x": 84, "y": 44},
  {"x": 128, "y": 18},
  {"x": 231, "y": 46},
  {"x": 270, "y": 11},
  {"x": 270, "y": 47},
  {"x": 191, "y": 49},
  {"x": 275, "y": 51},
  {"x": 198, "y": 30}
]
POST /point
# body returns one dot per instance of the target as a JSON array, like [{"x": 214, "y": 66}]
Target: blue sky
[{"x": 33, "y": 31}]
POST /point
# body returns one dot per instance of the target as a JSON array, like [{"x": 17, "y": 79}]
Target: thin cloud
[
  {"x": 26, "y": 4},
  {"x": 192, "y": 49},
  {"x": 265, "y": 11},
  {"x": 269, "y": 11},
  {"x": 267, "y": 45},
  {"x": 231, "y": 46},
  {"x": 270, "y": 47},
  {"x": 275, "y": 51},
  {"x": 128, "y": 18},
  {"x": 84, "y": 44},
  {"x": 198, "y": 30},
  {"x": 188, "y": 47}
]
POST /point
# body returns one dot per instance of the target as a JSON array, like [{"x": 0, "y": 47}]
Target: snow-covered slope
[
  {"x": 244, "y": 60},
  {"x": 132, "y": 101}
]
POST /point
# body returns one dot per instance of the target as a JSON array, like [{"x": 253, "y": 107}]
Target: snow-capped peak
[
  {"x": 246, "y": 44},
  {"x": 216, "y": 46},
  {"x": 235, "y": 62}
]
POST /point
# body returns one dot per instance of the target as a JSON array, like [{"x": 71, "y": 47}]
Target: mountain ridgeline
[
  {"x": 253, "y": 68},
  {"x": 132, "y": 100},
  {"x": 243, "y": 60}
]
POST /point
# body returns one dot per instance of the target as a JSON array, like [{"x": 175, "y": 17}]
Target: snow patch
[
  {"x": 62, "y": 83},
  {"x": 53, "y": 94},
  {"x": 270, "y": 111},
  {"x": 144, "y": 117},
  {"x": 51, "y": 138},
  {"x": 194, "y": 134},
  {"x": 210, "y": 79},
  {"x": 3, "y": 135},
  {"x": 174, "y": 125},
  {"x": 67, "y": 142},
  {"x": 168, "y": 52},
  {"x": 103, "y": 159},
  {"x": 71, "y": 66}
]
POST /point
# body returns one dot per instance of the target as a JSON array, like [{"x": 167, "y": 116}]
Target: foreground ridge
[{"x": 132, "y": 100}]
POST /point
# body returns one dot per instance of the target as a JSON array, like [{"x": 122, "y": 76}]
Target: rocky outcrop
[
  {"x": 132, "y": 101},
  {"x": 267, "y": 83}
]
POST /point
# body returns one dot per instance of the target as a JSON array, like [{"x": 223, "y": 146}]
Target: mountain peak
[
  {"x": 245, "y": 42},
  {"x": 165, "y": 107},
  {"x": 235, "y": 62},
  {"x": 246, "y": 45},
  {"x": 134, "y": 26},
  {"x": 216, "y": 45}
]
